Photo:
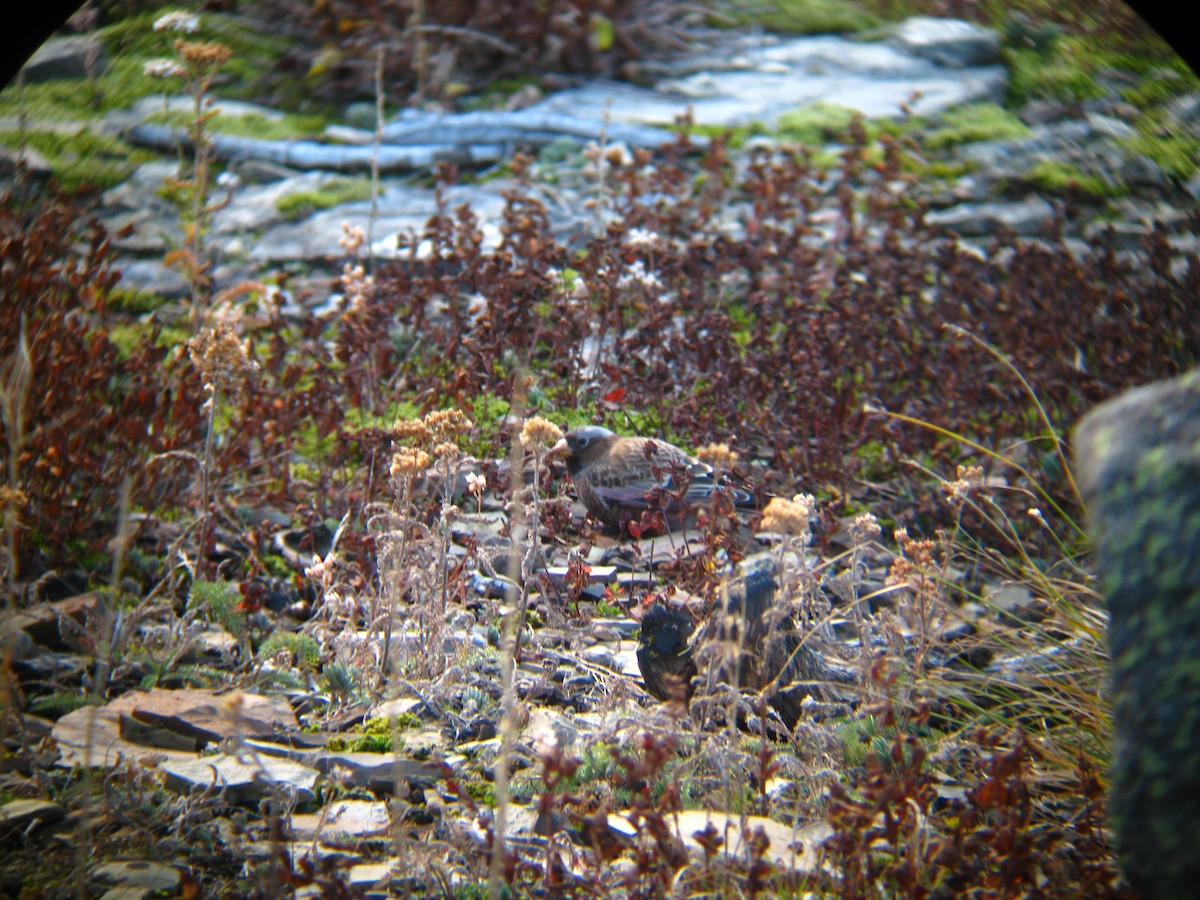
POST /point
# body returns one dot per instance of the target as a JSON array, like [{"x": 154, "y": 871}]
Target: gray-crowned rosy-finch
[{"x": 620, "y": 478}]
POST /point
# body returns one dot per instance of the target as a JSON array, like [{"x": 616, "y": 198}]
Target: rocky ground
[{"x": 318, "y": 735}]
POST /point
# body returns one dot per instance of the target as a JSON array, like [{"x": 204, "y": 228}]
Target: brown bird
[{"x": 619, "y": 478}]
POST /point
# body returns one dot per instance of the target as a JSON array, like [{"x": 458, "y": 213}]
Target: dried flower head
[
  {"x": 352, "y": 238},
  {"x": 12, "y": 498},
  {"x": 358, "y": 286},
  {"x": 638, "y": 274},
  {"x": 956, "y": 492},
  {"x": 223, "y": 359},
  {"x": 477, "y": 306},
  {"x": 719, "y": 456},
  {"x": 789, "y": 516},
  {"x": 447, "y": 451},
  {"x": 617, "y": 154},
  {"x": 643, "y": 237},
  {"x": 408, "y": 463},
  {"x": 865, "y": 527},
  {"x": 178, "y": 20},
  {"x": 916, "y": 569},
  {"x": 322, "y": 569},
  {"x": 446, "y": 423},
  {"x": 476, "y": 484},
  {"x": 205, "y": 54},
  {"x": 539, "y": 432},
  {"x": 414, "y": 429}
]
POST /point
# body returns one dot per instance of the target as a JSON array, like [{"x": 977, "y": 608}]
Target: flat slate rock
[
  {"x": 93, "y": 736},
  {"x": 241, "y": 780},
  {"x": 400, "y": 209},
  {"x": 877, "y": 80},
  {"x": 378, "y": 771}
]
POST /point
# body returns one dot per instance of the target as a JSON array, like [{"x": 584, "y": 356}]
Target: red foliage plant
[{"x": 79, "y": 417}]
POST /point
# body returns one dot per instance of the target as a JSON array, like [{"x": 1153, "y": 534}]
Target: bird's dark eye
[{"x": 581, "y": 441}]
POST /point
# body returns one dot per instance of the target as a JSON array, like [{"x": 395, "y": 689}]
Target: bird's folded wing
[
  {"x": 640, "y": 493},
  {"x": 629, "y": 495}
]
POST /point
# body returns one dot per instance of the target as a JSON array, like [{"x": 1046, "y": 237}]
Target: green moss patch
[
  {"x": 816, "y": 123},
  {"x": 336, "y": 192},
  {"x": 255, "y": 125},
  {"x": 81, "y": 158},
  {"x": 1176, "y": 154},
  {"x": 1062, "y": 73},
  {"x": 977, "y": 122},
  {"x": 1052, "y": 176},
  {"x": 797, "y": 16}
]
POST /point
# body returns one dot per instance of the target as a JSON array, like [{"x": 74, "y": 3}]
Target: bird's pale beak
[{"x": 560, "y": 447}]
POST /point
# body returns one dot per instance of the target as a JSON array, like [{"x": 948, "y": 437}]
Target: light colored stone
[
  {"x": 241, "y": 780},
  {"x": 92, "y": 736},
  {"x": 877, "y": 80},
  {"x": 1028, "y": 217},
  {"x": 948, "y": 42},
  {"x": 139, "y": 874},
  {"x": 19, "y": 815},
  {"x": 343, "y": 819}
]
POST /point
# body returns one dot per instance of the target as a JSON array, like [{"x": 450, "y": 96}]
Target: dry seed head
[
  {"x": 407, "y": 463},
  {"x": 972, "y": 474},
  {"x": 414, "y": 429},
  {"x": 357, "y": 285},
  {"x": 967, "y": 477},
  {"x": 719, "y": 456},
  {"x": 865, "y": 527},
  {"x": 476, "y": 484},
  {"x": 539, "y": 432},
  {"x": 446, "y": 423},
  {"x": 11, "y": 498},
  {"x": 223, "y": 359},
  {"x": 618, "y": 155},
  {"x": 919, "y": 551},
  {"x": 203, "y": 53},
  {"x": 788, "y": 516},
  {"x": 316, "y": 570},
  {"x": 639, "y": 274},
  {"x": 352, "y": 238},
  {"x": 901, "y": 573},
  {"x": 447, "y": 451},
  {"x": 643, "y": 237},
  {"x": 955, "y": 492}
]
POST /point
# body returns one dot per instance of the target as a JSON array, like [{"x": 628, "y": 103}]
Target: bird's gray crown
[{"x": 578, "y": 438}]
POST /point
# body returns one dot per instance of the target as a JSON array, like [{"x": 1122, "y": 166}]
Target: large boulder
[
  {"x": 62, "y": 58},
  {"x": 1138, "y": 468}
]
